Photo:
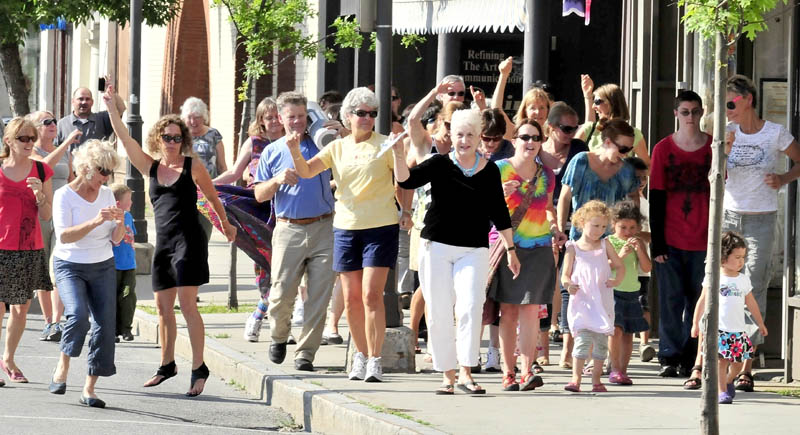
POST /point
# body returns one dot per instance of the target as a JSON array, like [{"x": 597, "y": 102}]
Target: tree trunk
[
  {"x": 709, "y": 424},
  {"x": 18, "y": 91}
]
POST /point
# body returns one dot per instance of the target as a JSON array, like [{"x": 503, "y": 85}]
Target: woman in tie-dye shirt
[{"x": 520, "y": 298}]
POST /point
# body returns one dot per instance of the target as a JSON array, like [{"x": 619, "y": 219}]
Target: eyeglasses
[
  {"x": 175, "y": 139},
  {"x": 104, "y": 172},
  {"x": 731, "y": 105},
  {"x": 491, "y": 138},
  {"x": 622, "y": 149},
  {"x": 529, "y": 138},
  {"x": 454, "y": 93},
  {"x": 364, "y": 113},
  {"x": 395, "y": 98},
  {"x": 568, "y": 129},
  {"x": 26, "y": 139},
  {"x": 694, "y": 112},
  {"x": 48, "y": 121},
  {"x": 599, "y": 101}
]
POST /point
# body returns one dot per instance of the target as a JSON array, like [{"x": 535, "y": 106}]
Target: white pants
[{"x": 453, "y": 277}]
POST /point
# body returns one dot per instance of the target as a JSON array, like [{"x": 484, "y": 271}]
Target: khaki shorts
[{"x": 413, "y": 250}]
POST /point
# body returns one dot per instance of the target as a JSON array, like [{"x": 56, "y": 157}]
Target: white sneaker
[
  {"x": 252, "y": 328},
  {"x": 297, "y": 314},
  {"x": 493, "y": 360},
  {"x": 374, "y": 370},
  {"x": 359, "y": 367}
]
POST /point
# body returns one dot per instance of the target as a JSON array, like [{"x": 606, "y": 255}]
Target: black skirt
[{"x": 536, "y": 281}]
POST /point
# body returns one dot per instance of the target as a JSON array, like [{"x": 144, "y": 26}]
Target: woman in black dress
[{"x": 180, "y": 262}]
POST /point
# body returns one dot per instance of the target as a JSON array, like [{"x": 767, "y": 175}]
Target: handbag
[{"x": 491, "y": 309}]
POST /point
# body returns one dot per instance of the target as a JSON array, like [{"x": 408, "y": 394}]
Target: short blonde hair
[
  {"x": 94, "y": 154},
  {"x": 119, "y": 190},
  {"x": 591, "y": 209},
  {"x": 469, "y": 118}
]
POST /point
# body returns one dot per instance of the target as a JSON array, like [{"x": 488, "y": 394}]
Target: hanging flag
[
  {"x": 573, "y": 7},
  {"x": 588, "y": 10},
  {"x": 61, "y": 24}
]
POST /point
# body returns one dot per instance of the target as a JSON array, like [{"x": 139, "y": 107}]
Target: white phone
[{"x": 386, "y": 146}]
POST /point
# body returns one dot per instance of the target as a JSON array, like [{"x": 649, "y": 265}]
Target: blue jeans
[
  {"x": 680, "y": 282},
  {"x": 89, "y": 289}
]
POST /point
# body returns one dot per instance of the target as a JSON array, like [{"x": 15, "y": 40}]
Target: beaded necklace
[{"x": 466, "y": 172}]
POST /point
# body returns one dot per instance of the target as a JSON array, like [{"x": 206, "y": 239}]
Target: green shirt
[{"x": 630, "y": 283}]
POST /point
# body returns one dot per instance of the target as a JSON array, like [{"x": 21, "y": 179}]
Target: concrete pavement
[{"x": 325, "y": 401}]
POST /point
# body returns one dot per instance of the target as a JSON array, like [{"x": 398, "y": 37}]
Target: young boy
[{"x": 125, "y": 259}]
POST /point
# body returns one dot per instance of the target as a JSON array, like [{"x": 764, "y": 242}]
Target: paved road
[{"x": 131, "y": 409}]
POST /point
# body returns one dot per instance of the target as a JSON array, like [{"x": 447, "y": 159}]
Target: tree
[
  {"x": 20, "y": 17},
  {"x": 723, "y": 21}
]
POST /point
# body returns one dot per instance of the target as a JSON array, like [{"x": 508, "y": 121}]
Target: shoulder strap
[
  {"x": 40, "y": 169},
  {"x": 591, "y": 132},
  {"x": 154, "y": 169}
]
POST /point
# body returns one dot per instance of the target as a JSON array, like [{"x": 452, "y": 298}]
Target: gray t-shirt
[
  {"x": 60, "y": 170},
  {"x": 205, "y": 147},
  {"x": 96, "y": 126}
]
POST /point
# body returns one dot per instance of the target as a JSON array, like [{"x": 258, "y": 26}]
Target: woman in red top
[{"x": 26, "y": 195}]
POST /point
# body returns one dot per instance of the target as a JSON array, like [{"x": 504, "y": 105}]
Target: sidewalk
[{"x": 404, "y": 403}]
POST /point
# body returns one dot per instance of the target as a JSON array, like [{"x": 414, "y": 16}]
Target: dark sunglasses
[
  {"x": 26, "y": 139},
  {"x": 599, "y": 101},
  {"x": 695, "y": 112},
  {"x": 176, "y": 139},
  {"x": 454, "y": 93},
  {"x": 104, "y": 172},
  {"x": 395, "y": 98},
  {"x": 364, "y": 113},
  {"x": 529, "y": 138},
  {"x": 568, "y": 129},
  {"x": 622, "y": 150},
  {"x": 491, "y": 138},
  {"x": 731, "y": 105},
  {"x": 48, "y": 121}
]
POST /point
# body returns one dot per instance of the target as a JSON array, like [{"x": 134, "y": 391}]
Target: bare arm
[
  {"x": 401, "y": 172},
  {"x": 420, "y": 137},
  {"x": 513, "y": 262},
  {"x": 138, "y": 158},
  {"x": 792, "y": 174},
  {"x": 641, "y": 255},
  {"x": 53, "y": 158},
  {"x": 752, "y": 305},
  {"x": 504, "y": 70},
  {"x": 43, "y": 191},
  {"x": 231, "y": 175},
  {"x": 564, "y": 201},
  {"x": 699, "y": 309},
  {"x": 616, "y": 265},
  {"x": 203, "y": 181},
  {"x": 587, "y": 88},
  {"x": 566, "y": 270},
  {"x": 305, "y": 169},
  {"x": 559, "y": 238},
  {"x": 222, "y": 166},
  {"x": 640, "y": 149},
  {"x": 76, "y": 232},
  {"x": 119, "y": 229}
]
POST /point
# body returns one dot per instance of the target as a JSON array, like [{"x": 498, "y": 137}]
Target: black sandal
[
  {"x": 166, "y": 371},
  {"x": 744, "y": 382},
  {"x": 198, "y": 374},
  {"x": 694, "y": 383}
]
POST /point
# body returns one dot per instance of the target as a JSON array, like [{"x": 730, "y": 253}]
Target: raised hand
[
  {"x": 479, "y": 97},
  {"x": 505, "y": 66},
  {"x": 587, "y": 85}
]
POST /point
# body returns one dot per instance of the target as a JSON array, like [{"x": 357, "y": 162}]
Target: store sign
[{"x": 478, "y": 64}]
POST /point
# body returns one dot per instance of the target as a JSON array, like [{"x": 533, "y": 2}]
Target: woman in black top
[
  {"x": 466, "y": 195},
  {"x": 180, "y": 262}
]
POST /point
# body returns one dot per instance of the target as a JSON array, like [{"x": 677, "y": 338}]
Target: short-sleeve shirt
[
  {"x": 596, "y": 141},
  {"x": 19, "y": 215},
  {"x": 205, "y": 147},
  {"x": 70, "y": 209},
  {"x": 364, "y": 187},
  {"x": 586, "y": 185},
  {"x": 630, "y": 282},
  {"x": 534, "y": 229},
  {"x": 732, "y": 291},
  {"x": 310, "y": 197},
  {"x": 124, "y": 253},
  {"x": 683, "y": 176},
  {"x": 752, "y": 157},
  {"x": 96, "y": 126}
]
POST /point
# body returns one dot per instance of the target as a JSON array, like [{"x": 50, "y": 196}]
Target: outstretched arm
[
  {"x": 231, "y": 175},
  {"x": 203, "y": 181},
  {"x": 138, "y": 158}
]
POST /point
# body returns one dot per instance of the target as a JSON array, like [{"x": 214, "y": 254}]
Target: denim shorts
[{"x": 372, "y": 247}]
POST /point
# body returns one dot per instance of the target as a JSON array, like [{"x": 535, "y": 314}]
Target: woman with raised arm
[
  {"x": 535, "y": 103},
  {"x": 180, "y": 261}
]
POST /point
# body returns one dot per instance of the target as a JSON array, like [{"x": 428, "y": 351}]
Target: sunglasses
[
  {"x": 364, "y": 113},
  {"x": 622, "y": 150},
  {"x": 568, "y": 129},
  {"x": 491, "y": 138},
  {"x": 599, "y": 101},
  {"x": 454, "y": 93},
  {"x": 695, "y": 112},
  {"x": 529, "y": 138},
  {"x": 104, "y": 172},
  {"x": 175, "y": 139},
  {"x": 48, "y": 121},
  {"x": 26, "y": 139},
  {"x": 731, "y": 105},
  {"x": 395, "y": 98}
]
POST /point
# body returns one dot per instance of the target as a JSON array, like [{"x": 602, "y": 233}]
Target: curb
[{"x": 319, "y": 409}]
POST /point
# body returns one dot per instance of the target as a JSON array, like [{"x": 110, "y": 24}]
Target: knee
[
  {"x": 373, "y": 300},
  {"x": 353, "y": 300}
]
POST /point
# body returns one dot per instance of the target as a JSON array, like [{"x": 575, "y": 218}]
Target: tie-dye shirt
[{"x": 534, "y": 230}]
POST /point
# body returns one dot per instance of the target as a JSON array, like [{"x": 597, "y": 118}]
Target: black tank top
[{"x": 174, "y": 206}]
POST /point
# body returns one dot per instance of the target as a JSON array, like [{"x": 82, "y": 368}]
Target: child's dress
[
  {"x": 592, "y": 307},
  {"x": 734, "y": 342}
]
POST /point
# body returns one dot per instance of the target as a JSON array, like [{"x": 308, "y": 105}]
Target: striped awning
[{"x": 450, "y": 16}]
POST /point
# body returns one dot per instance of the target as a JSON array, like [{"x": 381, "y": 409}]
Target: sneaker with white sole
[
  {"x": 374, "y": 370},
  {"x": 252, "y": 328},
  {"x": 359, "y": 367},
  {"x": 493, "y": 360}
]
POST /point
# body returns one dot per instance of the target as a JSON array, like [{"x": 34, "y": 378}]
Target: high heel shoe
[{"x": 198, "y": 374}]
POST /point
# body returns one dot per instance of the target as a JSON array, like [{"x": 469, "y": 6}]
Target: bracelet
[
  {"x": 512, "y": 248},
  {"x": 408, "y": 212}
]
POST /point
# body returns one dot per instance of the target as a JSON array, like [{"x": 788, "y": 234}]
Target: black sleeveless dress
[{"x": 181, "y": 255}]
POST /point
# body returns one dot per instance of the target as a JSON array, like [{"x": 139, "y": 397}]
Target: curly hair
[
  {"x": 591, "y": 209},
  {"x": 626, "y": 210},
  {"x": 13, "y": 128},
  {"x": 94, "y": 154},
  {"x": 730, "y": 241},
  {"x": 355, "y": 98},
  {"x": 154, "y": 136}
]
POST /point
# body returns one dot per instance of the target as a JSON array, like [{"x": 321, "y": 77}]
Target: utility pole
[{"x": 133, "y": 178}]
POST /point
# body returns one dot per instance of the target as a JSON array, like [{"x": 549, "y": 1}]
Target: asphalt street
[{"x": 131, "y": 408}]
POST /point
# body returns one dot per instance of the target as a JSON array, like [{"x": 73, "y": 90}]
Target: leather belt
[{"x": 305, "y": 221}]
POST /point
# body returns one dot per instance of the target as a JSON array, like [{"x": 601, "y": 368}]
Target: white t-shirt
[
  {"x": 69, "y": 209},
  {"x": 752, "y": 157},
  {"x": 732, "y": 291}
]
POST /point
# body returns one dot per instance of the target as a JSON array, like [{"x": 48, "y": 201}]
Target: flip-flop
[
  {"x": 17, "y": 377},
  {"x": 471, "y": 387},
  {"x": 445, "y": 390},
  {"x": 744, "y": 382},
  {"x": 692, "y": 384}
]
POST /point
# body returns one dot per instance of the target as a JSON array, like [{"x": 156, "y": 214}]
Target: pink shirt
[{"x": 19, "y": 215}]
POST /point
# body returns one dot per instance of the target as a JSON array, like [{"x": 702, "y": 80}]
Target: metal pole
[
  {"x": 383, "y": 66},
  {"x": 133, "y": 178},
  {"x": 443, "y": 46},
  {"x": 536, "y": 52}
]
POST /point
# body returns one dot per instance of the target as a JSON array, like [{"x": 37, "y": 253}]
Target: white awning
[{"x": 450, "y": 16}]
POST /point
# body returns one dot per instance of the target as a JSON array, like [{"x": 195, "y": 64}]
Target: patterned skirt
[
  {"x": 22, "y": 272},
  {"x": 735, "y": 346}
]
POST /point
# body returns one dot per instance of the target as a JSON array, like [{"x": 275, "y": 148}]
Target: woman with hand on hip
[
  {"x": 87, "y": 221},
  {"x": 180, "y": 261},
  {"x": 26, "y": 195}
]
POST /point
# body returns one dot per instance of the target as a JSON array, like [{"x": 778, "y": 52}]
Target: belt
[{"x": 306, "y": 221}]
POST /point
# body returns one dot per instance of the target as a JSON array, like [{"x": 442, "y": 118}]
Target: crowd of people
[{"x": 534, "y": 225}]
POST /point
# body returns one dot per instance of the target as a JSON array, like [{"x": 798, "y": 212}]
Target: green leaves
[{"x": 730, "y": 17}]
